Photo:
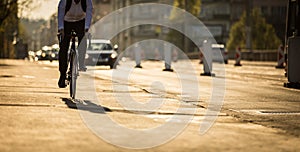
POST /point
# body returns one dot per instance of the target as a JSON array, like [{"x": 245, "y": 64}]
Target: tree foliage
[
  {"x": 26, "y": 6},
  {"x": 9, "y": 25},
  {"x": 6, "y": 8},
  {"x": 263, "y": 34},
  {"x": 192, "y": 6}
]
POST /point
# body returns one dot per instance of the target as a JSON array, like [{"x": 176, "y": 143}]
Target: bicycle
[{"x": 72, "y": 73}]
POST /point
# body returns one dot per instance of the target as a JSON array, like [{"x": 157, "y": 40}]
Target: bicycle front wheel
[{"x": 74, "y": 73}]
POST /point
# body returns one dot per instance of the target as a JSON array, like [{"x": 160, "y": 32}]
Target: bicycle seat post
[{"x": 73, "y": 36}]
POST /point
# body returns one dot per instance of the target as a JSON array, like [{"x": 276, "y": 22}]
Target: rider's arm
[
  {"x": 61, "y": 14},
  {"x": 89, "y": 14}
]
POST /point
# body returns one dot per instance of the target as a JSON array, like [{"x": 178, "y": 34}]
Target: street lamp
[
  {"x": 248, "y": 25},
  {"x": 185, "y": 47}
]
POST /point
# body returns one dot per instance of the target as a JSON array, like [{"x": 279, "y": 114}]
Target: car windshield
[{"x": 100, "y": 46}]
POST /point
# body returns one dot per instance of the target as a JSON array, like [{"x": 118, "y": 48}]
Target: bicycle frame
[
  {"x": 72, "y": 73},
  {"x": 73, "y": 66}
]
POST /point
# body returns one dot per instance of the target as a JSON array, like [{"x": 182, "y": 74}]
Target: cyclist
[{"x": 73, "y": 15}]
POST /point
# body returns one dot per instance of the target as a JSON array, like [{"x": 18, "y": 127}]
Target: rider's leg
[
  {"x": 63, "y": 56},
  {"x": 82, "y": 44}
]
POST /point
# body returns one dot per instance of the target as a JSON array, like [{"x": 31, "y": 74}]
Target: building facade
[
  {"x": 220, "y": 15},
  {"x": 140, "y": 32},
  {"x": 217, "y": 15}
]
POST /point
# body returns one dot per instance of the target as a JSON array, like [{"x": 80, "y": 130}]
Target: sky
[{"x": 42, "y": 9}]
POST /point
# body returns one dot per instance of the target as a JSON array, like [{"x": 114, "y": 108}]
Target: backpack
[{"x": 69, "y": 3}]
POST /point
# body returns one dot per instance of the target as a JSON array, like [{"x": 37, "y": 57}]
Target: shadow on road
[
  {"x": 85, "y": 105},
  {"x": 1, "y": 65}
]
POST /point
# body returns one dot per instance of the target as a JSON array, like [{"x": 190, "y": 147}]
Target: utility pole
[
  {"x": 248, "y": 25},
  {"x": 185, "y": 42}
]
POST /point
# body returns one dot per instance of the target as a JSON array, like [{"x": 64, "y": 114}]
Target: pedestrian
[{"x": 73, "y": 15}]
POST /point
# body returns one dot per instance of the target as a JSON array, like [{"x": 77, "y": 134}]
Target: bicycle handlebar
[{"x": 73, "y": 35}]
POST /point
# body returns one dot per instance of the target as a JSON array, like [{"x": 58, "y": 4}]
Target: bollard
[
  {"x": 200, "y": 57},
  {"x": 280, "y": 58},
  {"x": 157, "y": 55},
  {"x": 238, "y": 57},
  {"x": 207, "y": 62},
  {"x": 293, "y": 68},
  {"x": 137, "y": 53},
  {"x": 168, "y": 57},
  {"x": 175, "y": 55}
]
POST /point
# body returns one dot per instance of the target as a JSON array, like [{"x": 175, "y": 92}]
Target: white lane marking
[{"x": 28, "y": 77}]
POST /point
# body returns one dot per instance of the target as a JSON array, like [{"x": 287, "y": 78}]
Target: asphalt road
[{"x": 147, "y": 109}]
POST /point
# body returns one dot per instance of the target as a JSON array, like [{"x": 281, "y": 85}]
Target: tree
[
  {"x": 6, "y": 7},
  {"x": 26, "y": 5},
  {"x": 263, "y": 34},
  {"x": 9, "y": 25},
  {"x": 192, "y": 6}
]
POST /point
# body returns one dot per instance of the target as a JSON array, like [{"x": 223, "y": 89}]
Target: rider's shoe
[{"x": 62, "y": 81}]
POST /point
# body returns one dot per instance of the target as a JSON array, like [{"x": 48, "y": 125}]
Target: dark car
[
  {"x": 101, "y": 52},
  {"x": 53, "y": 54}
]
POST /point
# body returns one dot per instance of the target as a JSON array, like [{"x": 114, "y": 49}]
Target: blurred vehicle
[
  {"x": 53, "y": 54},
  {"x": 216, "y": 50},
  {"x": 101, "y": 52},
  {"x": 43, "y": 54},
  {"x": 31, "y": 55}
]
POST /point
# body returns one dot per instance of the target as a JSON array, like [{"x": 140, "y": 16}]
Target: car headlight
[
  {"x": 52, "y": 55},
  {"x": 114, "y": 55},
  {"x": 39, "y": 53},
  {"x": 43, "y": 54}
]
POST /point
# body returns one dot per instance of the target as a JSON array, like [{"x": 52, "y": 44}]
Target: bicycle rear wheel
[{"x": 73, "y": 78}]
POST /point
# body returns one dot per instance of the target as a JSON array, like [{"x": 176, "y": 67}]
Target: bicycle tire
[{"x": 73, "y": 78}]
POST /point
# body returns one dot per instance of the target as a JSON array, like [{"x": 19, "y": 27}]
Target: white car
[{"x": 216, "y": 50}]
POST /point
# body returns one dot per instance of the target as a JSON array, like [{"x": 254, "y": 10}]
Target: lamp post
[
  {"x": 248, "y": 25},
  {"x": 185, "y": 46}
]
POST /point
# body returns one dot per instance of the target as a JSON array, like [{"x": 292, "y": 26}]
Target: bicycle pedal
[{"x": 67, "y": 82}]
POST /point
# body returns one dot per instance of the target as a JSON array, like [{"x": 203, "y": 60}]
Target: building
[
  {"x": 220, "y": 15},
  {"x": 140, "y": 32},
  {"x": 216, "y": 15}
]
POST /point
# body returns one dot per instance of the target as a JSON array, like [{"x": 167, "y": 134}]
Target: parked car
[
  {"x": 220, "y": 47},
  {"x": 31, "y": 55},
  {"x": 54, "y": 52},
  {"x": 216, "y": 50},
  {"x": 44, "y": 53},
  {"x": 101, "y": 52}
]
